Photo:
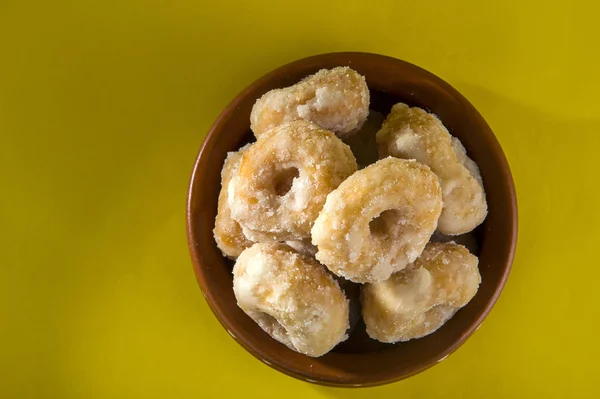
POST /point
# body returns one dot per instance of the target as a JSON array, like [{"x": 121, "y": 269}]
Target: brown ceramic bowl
[{"x": 359, "y": 361}]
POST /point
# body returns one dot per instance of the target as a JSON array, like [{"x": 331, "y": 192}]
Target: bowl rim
[{"x": 209, "y": 142}]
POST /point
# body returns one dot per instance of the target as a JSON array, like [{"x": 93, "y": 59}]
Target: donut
[
  {"x": 413, "y": 133},
  {"x": 335, "y": 99},
  {"x": 291, "y": 297},
  {"x": 418, "y": 300},
  {"x": 227, "y": 232},
  {"x": 378, "y": 220},
  {"x": 284, "y": 178}
]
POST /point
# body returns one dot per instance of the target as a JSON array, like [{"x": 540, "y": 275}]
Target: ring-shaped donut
[
  {"x": 291, "y": 297},
  {"x": 336, "y": 99},
  {"x": 413, "y": 133},
  {"x": 378, "y": 220},
  {"x": 419, "y": 299},
  {"x": 284, "y": 178}
]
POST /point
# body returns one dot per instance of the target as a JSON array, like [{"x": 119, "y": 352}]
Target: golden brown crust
[
  {"x": 419, "y": 299},
  {"x": 309, "y": 160},
  {"x": 291, "y": 297},
  {"x": 335, "y": 99},
  {"x": 227, "y": 232},
  {"x": 412, "y": 133},
  {"x": 378, "y": 220}
]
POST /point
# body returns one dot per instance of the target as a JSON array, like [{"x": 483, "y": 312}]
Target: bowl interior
[{"x": 360, "y": 360}]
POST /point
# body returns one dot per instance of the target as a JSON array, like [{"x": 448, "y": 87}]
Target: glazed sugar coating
[
  {"x": 378, "y": 220},
  {"x": 227, "y": 232},
  {"x": 291, "y": 297},
  {"x": 284, "y": 178},
  {"x": 335, "y": 99},
  {"x": 412, "y": 133},
  {"x": 464, "y": 159},
  {"x": 419, "y": 299}
]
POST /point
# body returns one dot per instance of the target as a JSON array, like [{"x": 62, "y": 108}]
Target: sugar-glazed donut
[
  {"x": 378, "y": 220},
  {"x": 283, "y": 180},
  {"x": 291, "y": 297}
]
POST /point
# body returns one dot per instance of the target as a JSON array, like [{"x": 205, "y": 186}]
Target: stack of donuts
[{"x": 300, "y": 218}]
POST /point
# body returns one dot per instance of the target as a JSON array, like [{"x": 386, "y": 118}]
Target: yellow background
[{"x": 104, "y": 104}]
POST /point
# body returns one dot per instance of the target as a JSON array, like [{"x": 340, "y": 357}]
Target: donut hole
[
  {"x": 284, "y": 179},
  {"x": 384, "y": 224}
]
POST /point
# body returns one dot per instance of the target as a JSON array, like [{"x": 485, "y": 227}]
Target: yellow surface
[{"x": 103, "y": 105}]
